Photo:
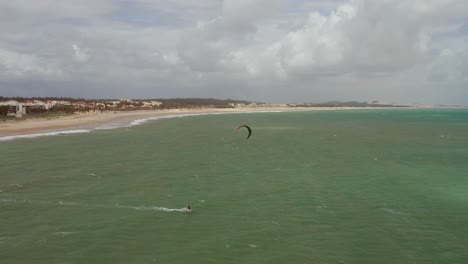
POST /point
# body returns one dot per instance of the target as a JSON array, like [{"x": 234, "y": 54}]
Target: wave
[
  {"x": 65, "y": 233},
  {"x": 137, "y": 122},
  {"x": 103, "y": 206},
  {"x": 391, "y": 211},
  {"x": 144, "y": 120},
  {"x": 108, "y": 127},
  {"x": 141, "y": 121},
  {"x": 45, "y": 134}
]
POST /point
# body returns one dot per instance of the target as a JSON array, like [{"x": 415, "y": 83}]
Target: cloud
[
  {"x": 79, "y": 54},
  {"x": 312, "y": 50},
  {"x": 358, "y": 36},
  {"x": 16, "y": 65},
  {"x": 60, "y": 8}
]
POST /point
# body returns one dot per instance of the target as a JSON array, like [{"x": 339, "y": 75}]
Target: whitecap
[
  {"x": 320, "y": 206},
  {"x": 64, "y": 233},
  {"x": 391, "y": 211},
  {"x": 94, "y": 175}
]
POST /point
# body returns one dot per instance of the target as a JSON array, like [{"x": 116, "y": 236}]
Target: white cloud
[
  {"x": 61, "y": 8},
  {"x": 17, "y": 65},
  {"x": 80, "y": 55},
  {"x": 357, "y": 36},
  {"x": 265, "y": 50}
]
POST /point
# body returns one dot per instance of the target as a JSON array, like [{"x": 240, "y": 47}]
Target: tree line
[{"x": 106, "y": 104}]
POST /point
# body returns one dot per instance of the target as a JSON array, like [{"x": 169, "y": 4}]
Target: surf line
[
  {"x": 44, "y": 134},
  {"x": 86, "y": 205}
]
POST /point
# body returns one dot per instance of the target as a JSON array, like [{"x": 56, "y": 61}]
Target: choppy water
[{"x": 364, "y": 186}]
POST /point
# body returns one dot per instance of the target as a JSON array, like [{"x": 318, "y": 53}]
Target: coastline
[
  {"x": 81, "y": 123},
  {"x": 96, "y": 119}
]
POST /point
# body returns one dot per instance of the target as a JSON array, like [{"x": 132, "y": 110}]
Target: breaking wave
[
  {"x": 45, "y": 134},
  {"x": 123, "y": 124}
]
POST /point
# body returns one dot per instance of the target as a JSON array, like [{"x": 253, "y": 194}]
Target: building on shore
[{"x": 18, "y": 109}]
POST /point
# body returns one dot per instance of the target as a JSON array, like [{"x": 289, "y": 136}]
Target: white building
[{"x": 18, "y": 108}]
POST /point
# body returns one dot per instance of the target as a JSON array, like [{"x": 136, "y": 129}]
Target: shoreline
[
  {"x": 87, "y": 122},
  {"x": 106, "y": 120}
]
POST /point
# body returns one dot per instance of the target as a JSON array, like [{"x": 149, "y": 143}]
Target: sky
[{"x": 290, "y": 51}]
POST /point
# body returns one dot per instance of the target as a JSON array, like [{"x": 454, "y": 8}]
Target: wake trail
[{"x": 86, "y": 205}]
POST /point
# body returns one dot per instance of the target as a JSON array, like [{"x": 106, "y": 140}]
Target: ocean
[{"x": 350, "y": 186}]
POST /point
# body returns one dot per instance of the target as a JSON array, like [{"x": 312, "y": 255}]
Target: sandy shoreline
[{"x": 94, "y": 119}]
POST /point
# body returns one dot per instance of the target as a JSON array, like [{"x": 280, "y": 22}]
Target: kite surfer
[{"x": 189, "y": 209}]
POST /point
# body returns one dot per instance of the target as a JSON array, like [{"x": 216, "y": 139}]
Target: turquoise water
[{"x": 360, "y": 186}]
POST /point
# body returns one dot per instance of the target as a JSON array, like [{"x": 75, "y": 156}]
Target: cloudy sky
[{"x": 402, "y": 51}]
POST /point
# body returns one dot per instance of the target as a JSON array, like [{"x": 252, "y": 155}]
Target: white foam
[
  {"x": 94, "y": 175},
  {"x": 141, "y": 121},
  {"x": 108, "y": 127},
  {"x": 64, "y": 233},
  {"x": 45, "y": 134},
  {"x": 144, "y": 120},
  {"x": 104, "y": 206},
  {"x": 320, "y": 206},
  {"x": 136, "y": 122},
  {"x": 390, "y": 211}
]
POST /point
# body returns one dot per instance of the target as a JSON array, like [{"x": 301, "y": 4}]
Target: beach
[
  {"x": 97, "y": 119},
  {"x": 90, "y": 120}
]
